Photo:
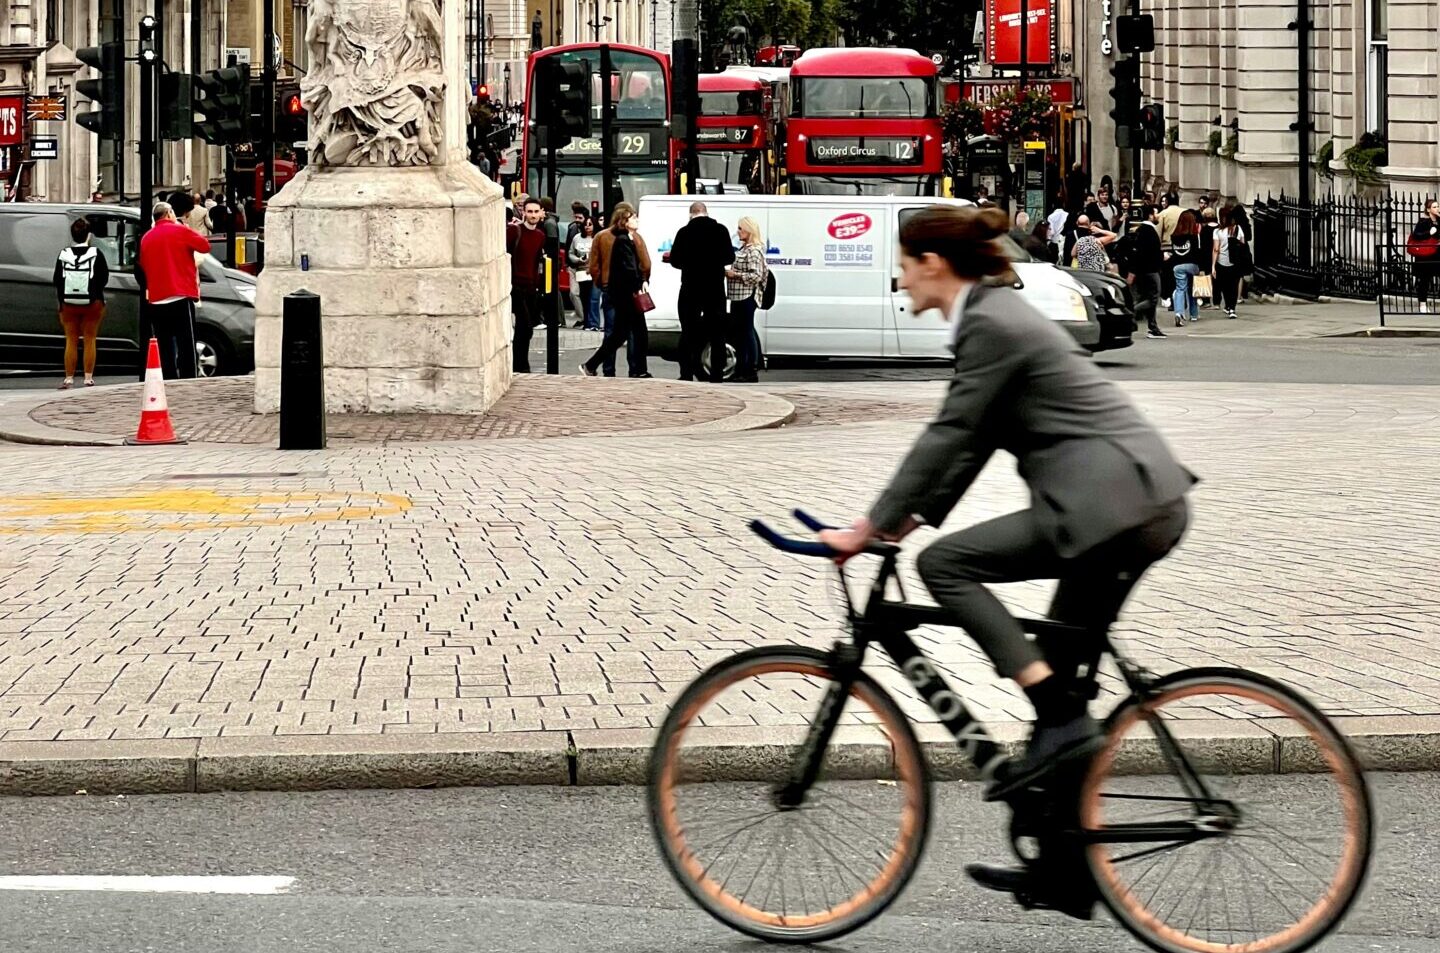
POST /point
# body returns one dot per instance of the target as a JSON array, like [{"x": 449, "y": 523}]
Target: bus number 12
[{"x": 904, "y": 150}]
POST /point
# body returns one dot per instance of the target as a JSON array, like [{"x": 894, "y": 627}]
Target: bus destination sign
[{"x": 866, "y": 150}]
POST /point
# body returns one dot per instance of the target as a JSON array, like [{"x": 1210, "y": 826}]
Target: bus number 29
[{"x": 635, "y": 145}]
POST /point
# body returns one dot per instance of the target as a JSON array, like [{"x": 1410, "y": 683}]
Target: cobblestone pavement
[
  {"x": 561, "y": 584},
  {"x": 536, "y": 406}
]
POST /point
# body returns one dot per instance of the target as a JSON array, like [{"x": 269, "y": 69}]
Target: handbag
[
  {"x": 1422, "y": 247},
  {"x": 1202, "y": 287},
  {"x": 643, "y": 302}
]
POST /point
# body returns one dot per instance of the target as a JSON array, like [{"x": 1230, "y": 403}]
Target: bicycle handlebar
[{"x": 810, "y": 547}]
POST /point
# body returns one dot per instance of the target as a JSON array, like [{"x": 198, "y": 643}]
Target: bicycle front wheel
[
  {"x": 1199, "y": 847},
  {"x": 790, "y": 874}
]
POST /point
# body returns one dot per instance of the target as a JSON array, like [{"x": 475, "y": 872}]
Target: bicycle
[{"x": 838, "y": 803}]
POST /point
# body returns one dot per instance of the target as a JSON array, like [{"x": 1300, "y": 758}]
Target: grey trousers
[{"x": 1092, "y": 586}]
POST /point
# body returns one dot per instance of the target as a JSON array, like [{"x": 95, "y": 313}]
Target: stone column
[{"x": 404, "y": 238}]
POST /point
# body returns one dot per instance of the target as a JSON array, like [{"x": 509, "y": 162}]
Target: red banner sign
[
  {"x": 12, "y": 126},
  {"x": 1062, "y": 91},
  {"x": 1002, "y": 32}
]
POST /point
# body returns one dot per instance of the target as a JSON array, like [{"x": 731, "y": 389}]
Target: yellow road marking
[{"x": 158, "y": 509}]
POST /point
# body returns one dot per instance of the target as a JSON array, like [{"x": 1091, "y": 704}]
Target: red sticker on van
[{"x": 850, "y": 226}]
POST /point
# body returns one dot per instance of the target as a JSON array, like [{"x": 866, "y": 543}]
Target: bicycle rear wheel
[
  {"x": 1206, "y": 850},
  {"x": 792, "y": 875}
]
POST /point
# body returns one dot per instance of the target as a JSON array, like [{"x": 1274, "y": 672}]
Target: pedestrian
[
  {"x": 745, "y": 286},
  {"x": 1077, "y": 183},
  {"x": 81, "y": 274},
  {"x": 1057, "y": 222},
  {"x": 221, "y": 215},
  {"x": 97, "y": 197},
  {"x": 210, "y": 202},
  {"x": 1185, "y": 263},
  {"x": 579, "y": 214},
  {"x": 1102, "y": 210},
  {"x": 624, "y": 271},
  {"x": 1169, "y": 218},
  {"x": 1143, "y": 261},
  {"x": 551, "y": 224},
  {"x": 582, "y": 289},
  {"x": 198, "y": 218},
  {"x": 1209, "y": 222},
  {"x": 599, "y": 262},
  {"x": 525, "y": 241},
  {"x": 1039, "y": 245},
  {"x": 1090, "y": 242},
  {"x": 1241, "y": 218},
  {"x": 702, "y": 251},
  {"x": 172, "y": 286},
  {"x": 1426, "y": 234},
  {"x": 1224, "y": 267}
]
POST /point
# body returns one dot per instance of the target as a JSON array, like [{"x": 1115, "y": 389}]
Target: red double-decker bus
[
  {"x": 734, "y": 136},
  {"x": 864, "y": 121},
  {"x": 641, "y": 157}
]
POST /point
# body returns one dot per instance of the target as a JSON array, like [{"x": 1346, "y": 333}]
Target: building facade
[{"x": 1229, "y": 75}]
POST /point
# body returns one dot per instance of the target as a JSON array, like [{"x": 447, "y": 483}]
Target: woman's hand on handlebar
[{"x": 860, "y": 534}]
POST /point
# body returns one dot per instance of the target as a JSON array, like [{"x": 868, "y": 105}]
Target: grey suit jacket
[{"x": 1095, "y": 467}]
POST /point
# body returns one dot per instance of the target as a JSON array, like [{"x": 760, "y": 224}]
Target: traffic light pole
[
  {"x": 607, "y": 168},
  {"x": 267, "y": 104},
  {"x": 146, "y": 56},
  {"x": 1137, "y": 192}
]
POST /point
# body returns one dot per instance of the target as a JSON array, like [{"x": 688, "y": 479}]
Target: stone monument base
[{"x": 410, "y": 267}]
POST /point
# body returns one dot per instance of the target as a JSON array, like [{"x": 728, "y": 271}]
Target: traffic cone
[{"x": 155, "y": 427}]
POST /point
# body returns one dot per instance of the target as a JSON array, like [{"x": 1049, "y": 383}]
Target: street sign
[
  {"x": 12, "y": 131},
  {"x": 938, "y": 59},
  {"x": 45, "y": 147},
  {"x": 45, "y": 109},
  {"x": 241, "y": 55}
]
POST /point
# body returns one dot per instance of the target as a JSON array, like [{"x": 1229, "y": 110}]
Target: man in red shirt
[
  {"x": 172, "y": 286},
  {"x": 525, "y": 242}
]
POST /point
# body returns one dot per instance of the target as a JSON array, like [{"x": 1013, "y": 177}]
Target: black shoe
[
  {"x": 1050, "y": 747},
  {"x": 640, "y": 377},
  {"x": 1031, "y": 892}
]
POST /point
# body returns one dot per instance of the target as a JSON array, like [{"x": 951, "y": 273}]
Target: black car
[
  {"x": 32, "y": 235},
  {"x": 1114, "y": 308}
]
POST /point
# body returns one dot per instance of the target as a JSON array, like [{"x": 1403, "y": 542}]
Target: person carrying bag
[
  {"x": 627, "y": 269},
  {"x": 81, "y": 274}
]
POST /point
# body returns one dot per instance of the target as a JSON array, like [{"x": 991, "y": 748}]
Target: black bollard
[{"x": 302, "y": 374}]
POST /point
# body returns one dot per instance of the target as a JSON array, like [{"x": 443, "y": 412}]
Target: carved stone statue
[{"x": 376, "y": 88}]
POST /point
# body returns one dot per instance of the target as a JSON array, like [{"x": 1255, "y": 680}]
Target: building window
[
  {"x": 1377, "y": 50},
  {"x": 52, "y": 21}
]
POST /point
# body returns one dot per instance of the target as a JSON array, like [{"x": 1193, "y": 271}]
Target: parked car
[
  {"x": 32, "y": 234},
  {"x": 1114, "y": 308},
  {"x": 837, "y": 269}
]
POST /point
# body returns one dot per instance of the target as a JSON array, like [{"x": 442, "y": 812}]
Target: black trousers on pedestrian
[
  {"x": 629, "y": 328},
  {"x": 742, "y": 329},
  {"x": 173, "y": 326},
  {"x": 702, "y": 321},
  {"x": 1227, "y": 280},
  {"x": 525, "y": 306},
  {"x": 1092, "y": 586},
  {"x": 1146, "y": 291}
]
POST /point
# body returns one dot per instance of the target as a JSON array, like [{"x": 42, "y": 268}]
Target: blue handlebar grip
[
  {"x": 810, "y": 522},
  {"x": 796, "y": 546}
]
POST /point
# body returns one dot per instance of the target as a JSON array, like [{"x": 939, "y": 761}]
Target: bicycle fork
[{"x": 845, "y": 661}]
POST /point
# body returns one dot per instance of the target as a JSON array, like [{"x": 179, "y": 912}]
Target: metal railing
[
  {"x": 1337, "y": 246},
  {"x": 1407, "y": 287}
]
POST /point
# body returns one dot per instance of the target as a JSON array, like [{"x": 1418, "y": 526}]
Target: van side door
[{"x": 909, "y": 334}]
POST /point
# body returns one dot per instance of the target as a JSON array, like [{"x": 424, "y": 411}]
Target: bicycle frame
[{"x": 888, "y": 624}]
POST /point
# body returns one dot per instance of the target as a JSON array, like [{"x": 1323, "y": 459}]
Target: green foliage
[
  {"x": 1232, "y": 146},
  {"x": 1172, "y": 135},
  {"x": 1212, "y": 146},
  {"x": 962, "y": 120},
  {"x": 924, "y": 25},
  {"x": 1365, "y": 157},
  {"x": 1323, "y": 158},
  {"x": 805, "y": 23},
  {"x": 1021, "y": 115}
]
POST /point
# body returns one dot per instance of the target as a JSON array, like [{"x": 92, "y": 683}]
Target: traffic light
[
  {"x": 292, "y": 121},
  {"x": 563, "y": 91},
  {"x": 1135, "y": 34},
  {"x": 482, "y": 93},
  {"x": 222, "y": 96},
  {"x": 177, "y": 115},
  {"x": 1126, "y": 93},
  {"x": 107, "y": 91},
  {"x": 1152, "y": 126}
]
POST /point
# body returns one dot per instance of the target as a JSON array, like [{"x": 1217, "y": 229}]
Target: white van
[{"x": 836, "y": 261}]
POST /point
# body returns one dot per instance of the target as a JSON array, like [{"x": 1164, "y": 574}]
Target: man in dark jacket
[
  {"x": 701, "y": 251},
  {"x": 1143, "y": 263}
]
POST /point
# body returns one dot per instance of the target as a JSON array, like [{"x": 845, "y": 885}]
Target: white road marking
[{"x": 141, "y": 884}]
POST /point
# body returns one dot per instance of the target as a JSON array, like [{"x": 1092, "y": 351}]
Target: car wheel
[
  {"x": 730, "y": 361},
  {"x": 212, "y": 357}
]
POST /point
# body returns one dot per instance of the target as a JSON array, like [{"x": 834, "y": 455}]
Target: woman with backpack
[
  {"x": 81, "y": 274},
  {"x": 1229, "y": 258},
  {"x": 625, "y": 268},
  {"x": 745, "y": 286}
]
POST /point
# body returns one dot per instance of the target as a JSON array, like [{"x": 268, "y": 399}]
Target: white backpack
[{"x": 76, "y": 272}]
